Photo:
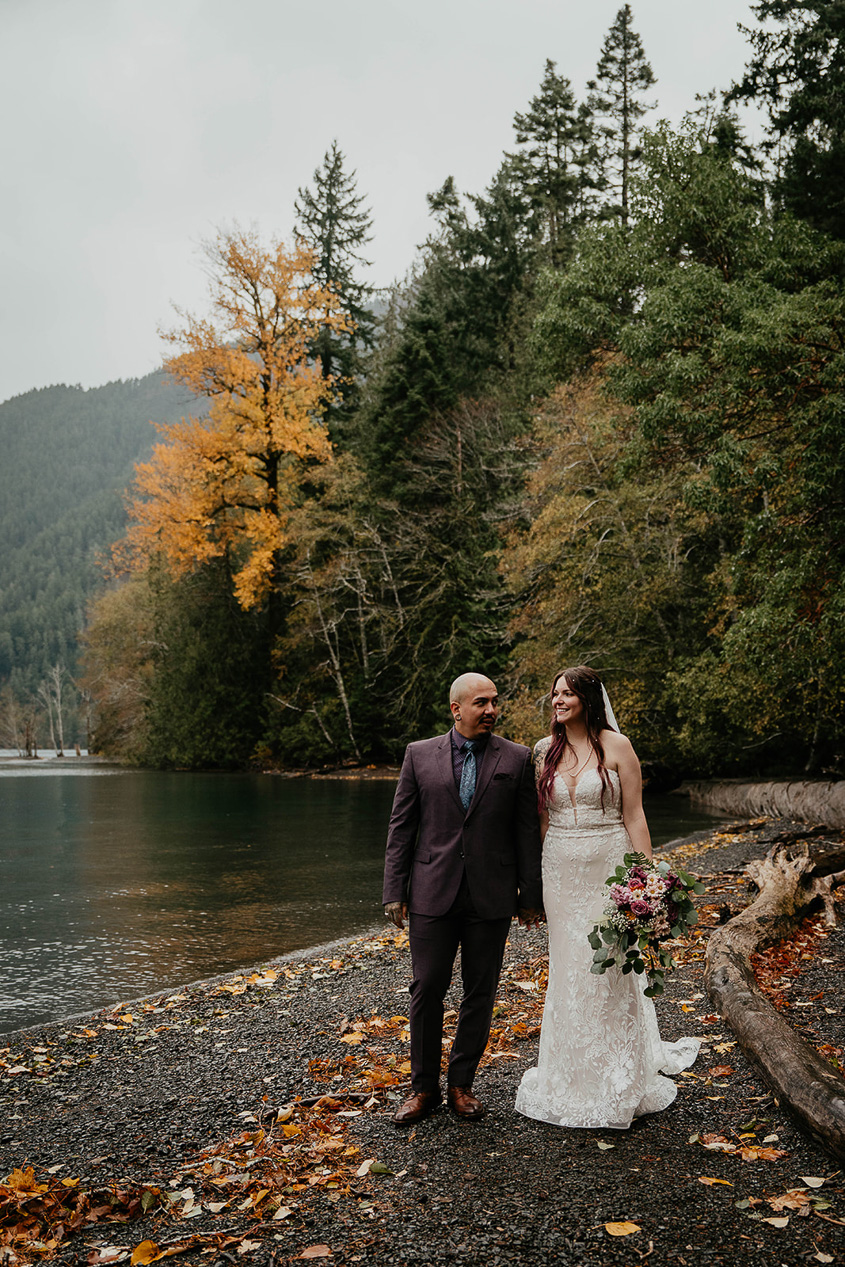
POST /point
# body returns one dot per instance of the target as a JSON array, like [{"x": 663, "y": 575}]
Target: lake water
[{"x": 117, "y": 883}]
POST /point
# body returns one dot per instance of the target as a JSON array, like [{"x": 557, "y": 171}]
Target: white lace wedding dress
[{"x": 600, "y": 1049}]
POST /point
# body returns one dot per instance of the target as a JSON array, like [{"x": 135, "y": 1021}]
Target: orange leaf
[
  {"x": 761, "y": 1154},
  {"x": 146, "y": 1252},
  {"x": 353, "y": 1039},
  {"x": 706, "y": 1179},
  {"x": 621, "y": 1229},
  {"x": 316, "y": 1251},
  {"x": 720, "y": 1071}
]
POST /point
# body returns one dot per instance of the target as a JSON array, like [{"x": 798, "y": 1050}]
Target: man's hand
[
  {"x": 531, "y": 918},
  {"x": 397, "y": 912}
]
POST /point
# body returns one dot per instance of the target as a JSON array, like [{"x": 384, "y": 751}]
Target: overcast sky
[{"x": 133, "y": 128}]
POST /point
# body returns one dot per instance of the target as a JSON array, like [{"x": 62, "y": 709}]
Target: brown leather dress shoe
[
  {"x": 421, "y": 1104},
  {"x": 464, "y": 1104}
]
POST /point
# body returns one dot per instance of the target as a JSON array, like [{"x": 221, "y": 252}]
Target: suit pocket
[
  {"x": 497, "y": 777},
  {"x": 424, "y": 856}
]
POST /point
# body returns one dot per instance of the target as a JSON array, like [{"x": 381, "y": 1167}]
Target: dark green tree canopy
[
  {"x": 334, "y": 222},
  {"x": 797, "y": 72},
  {"x": 615, "y": 95},
  {"x": 556, "y": 163}
]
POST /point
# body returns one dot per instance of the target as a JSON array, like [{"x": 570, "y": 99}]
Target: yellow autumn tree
[{"x": 224, "y": 485}]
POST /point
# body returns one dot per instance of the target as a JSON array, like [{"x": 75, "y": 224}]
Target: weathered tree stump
[{"x": 803, "y": 1082}]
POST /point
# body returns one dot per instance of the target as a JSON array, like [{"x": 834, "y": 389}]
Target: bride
[{"x": 600, "y": 1049}]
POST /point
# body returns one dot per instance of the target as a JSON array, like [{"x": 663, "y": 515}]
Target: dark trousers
[{"x": 434, "y": 946}]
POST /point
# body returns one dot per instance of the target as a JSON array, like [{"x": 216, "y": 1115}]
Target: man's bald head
[
  {"x": 474, "y": 702},
  {"x": 469, "y": 684}
]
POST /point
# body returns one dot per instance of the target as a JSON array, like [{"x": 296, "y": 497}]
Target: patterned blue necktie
[{"x": 467, "y": 788}]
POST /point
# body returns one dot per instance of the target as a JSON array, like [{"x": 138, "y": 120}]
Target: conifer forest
[{"x": 601, "y": 420}]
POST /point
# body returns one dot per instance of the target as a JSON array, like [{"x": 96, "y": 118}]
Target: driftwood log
[
  {"x": 803, "y": 1083},
  {"x": 804, "y": 800}
]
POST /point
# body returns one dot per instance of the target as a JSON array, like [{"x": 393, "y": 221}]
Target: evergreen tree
[
  {"x": 622, "y": 75},
  {"x": 797, "y": 72},
  {"x": 731, "y": 361},
  {"x": 556, "y": 163},
  {"x": 334, "y": 222}
]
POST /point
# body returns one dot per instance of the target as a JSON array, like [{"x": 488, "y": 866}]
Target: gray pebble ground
[{"x": 505, "y": 1190}]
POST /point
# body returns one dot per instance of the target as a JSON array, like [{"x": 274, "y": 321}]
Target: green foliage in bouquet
[{"x": 647, "y": 904}]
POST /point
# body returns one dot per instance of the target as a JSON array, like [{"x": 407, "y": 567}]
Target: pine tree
[
  {"x": 621, "y": 76},
  {"x": 797, "y": 72},
  {"x": 556, "y": 162},
  {"x": 336, "y": 225}
]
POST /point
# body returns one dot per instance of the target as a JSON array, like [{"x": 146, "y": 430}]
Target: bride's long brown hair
[{"x": 586, "y": 684}]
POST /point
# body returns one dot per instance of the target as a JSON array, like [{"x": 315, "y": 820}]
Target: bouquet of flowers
[{"x": 647, "y": 903}]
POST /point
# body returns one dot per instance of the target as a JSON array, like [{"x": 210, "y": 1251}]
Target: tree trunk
[{"x": 804, "y": 1084}]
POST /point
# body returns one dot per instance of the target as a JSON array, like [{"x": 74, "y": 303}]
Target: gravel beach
[{"x": 249, "y": 1119}]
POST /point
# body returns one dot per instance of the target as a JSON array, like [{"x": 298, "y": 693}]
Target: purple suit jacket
[{"x": 431, "y": 840}]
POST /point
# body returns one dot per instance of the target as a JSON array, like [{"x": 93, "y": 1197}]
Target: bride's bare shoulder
[{"x": 615, "y": 745}]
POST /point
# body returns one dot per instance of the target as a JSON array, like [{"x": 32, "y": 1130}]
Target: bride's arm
[
  {"x": 540, "y": 749},
  {"x": 620, "y": 752}
]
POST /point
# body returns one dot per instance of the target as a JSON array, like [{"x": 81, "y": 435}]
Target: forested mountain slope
[{"x": 67, "y": 457}]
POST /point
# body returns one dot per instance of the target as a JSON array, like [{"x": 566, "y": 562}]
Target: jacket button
[{"x": 462, "y": 853}]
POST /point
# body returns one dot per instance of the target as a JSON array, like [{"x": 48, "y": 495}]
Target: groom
[{"x": 463, "y": 857}]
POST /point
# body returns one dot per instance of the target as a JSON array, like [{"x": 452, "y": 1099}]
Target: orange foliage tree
[{"x": 224, "y": 485}]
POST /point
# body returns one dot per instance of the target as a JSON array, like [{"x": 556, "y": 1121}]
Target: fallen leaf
[
  {"x": 364, "y": 1168},
  {"x": 823, "y": 1258},
  {"x": 761, "y": 1154},
  {"x": 795, "y": 1199},
  {"x": 812, "y": 1181},
  {"x": 353, "y": 1038},
  {"x": 283, "y": 1212},
  {"x": 316, "y": 1251},
  {"x": 603, "y": 1146},
  {"x": 776, "y": 1222},
  {"x": 621, "y": 1229},
  {"x": 706, "y": 1179},
  {"x": 718, "y": 1144},
  {"x": 146, "y": 1252},
  {"x": 720, "y": 1071}
]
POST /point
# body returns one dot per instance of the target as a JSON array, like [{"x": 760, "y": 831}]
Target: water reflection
[
  {"x": 123, "y": 882},
  {"x": 117, "y": 886}
]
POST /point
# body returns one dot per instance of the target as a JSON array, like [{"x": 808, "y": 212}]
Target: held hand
[
  {"x": 531, "y": 918},
  {"x": 397, "y": 912}
]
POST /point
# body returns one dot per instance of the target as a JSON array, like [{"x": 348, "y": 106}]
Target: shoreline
[
  {"x": 251, "y": 1112},
  {"x": 299, "y": 953}
]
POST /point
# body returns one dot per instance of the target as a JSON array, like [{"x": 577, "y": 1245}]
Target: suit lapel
[
  {"x": 444, "y": 765},
  {"x": 488, "y": 765}
]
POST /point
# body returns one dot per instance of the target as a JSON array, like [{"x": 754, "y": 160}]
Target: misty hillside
[{"x": 67, "y": 457}]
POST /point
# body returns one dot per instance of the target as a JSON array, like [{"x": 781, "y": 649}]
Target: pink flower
[{"x": 641, "y": 908}]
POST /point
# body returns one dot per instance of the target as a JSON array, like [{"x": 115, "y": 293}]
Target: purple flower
[
  {"x": 640, "y": 908},
  {"x": 671, "y": 913},
  {"x": 638, "y": 873}
]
